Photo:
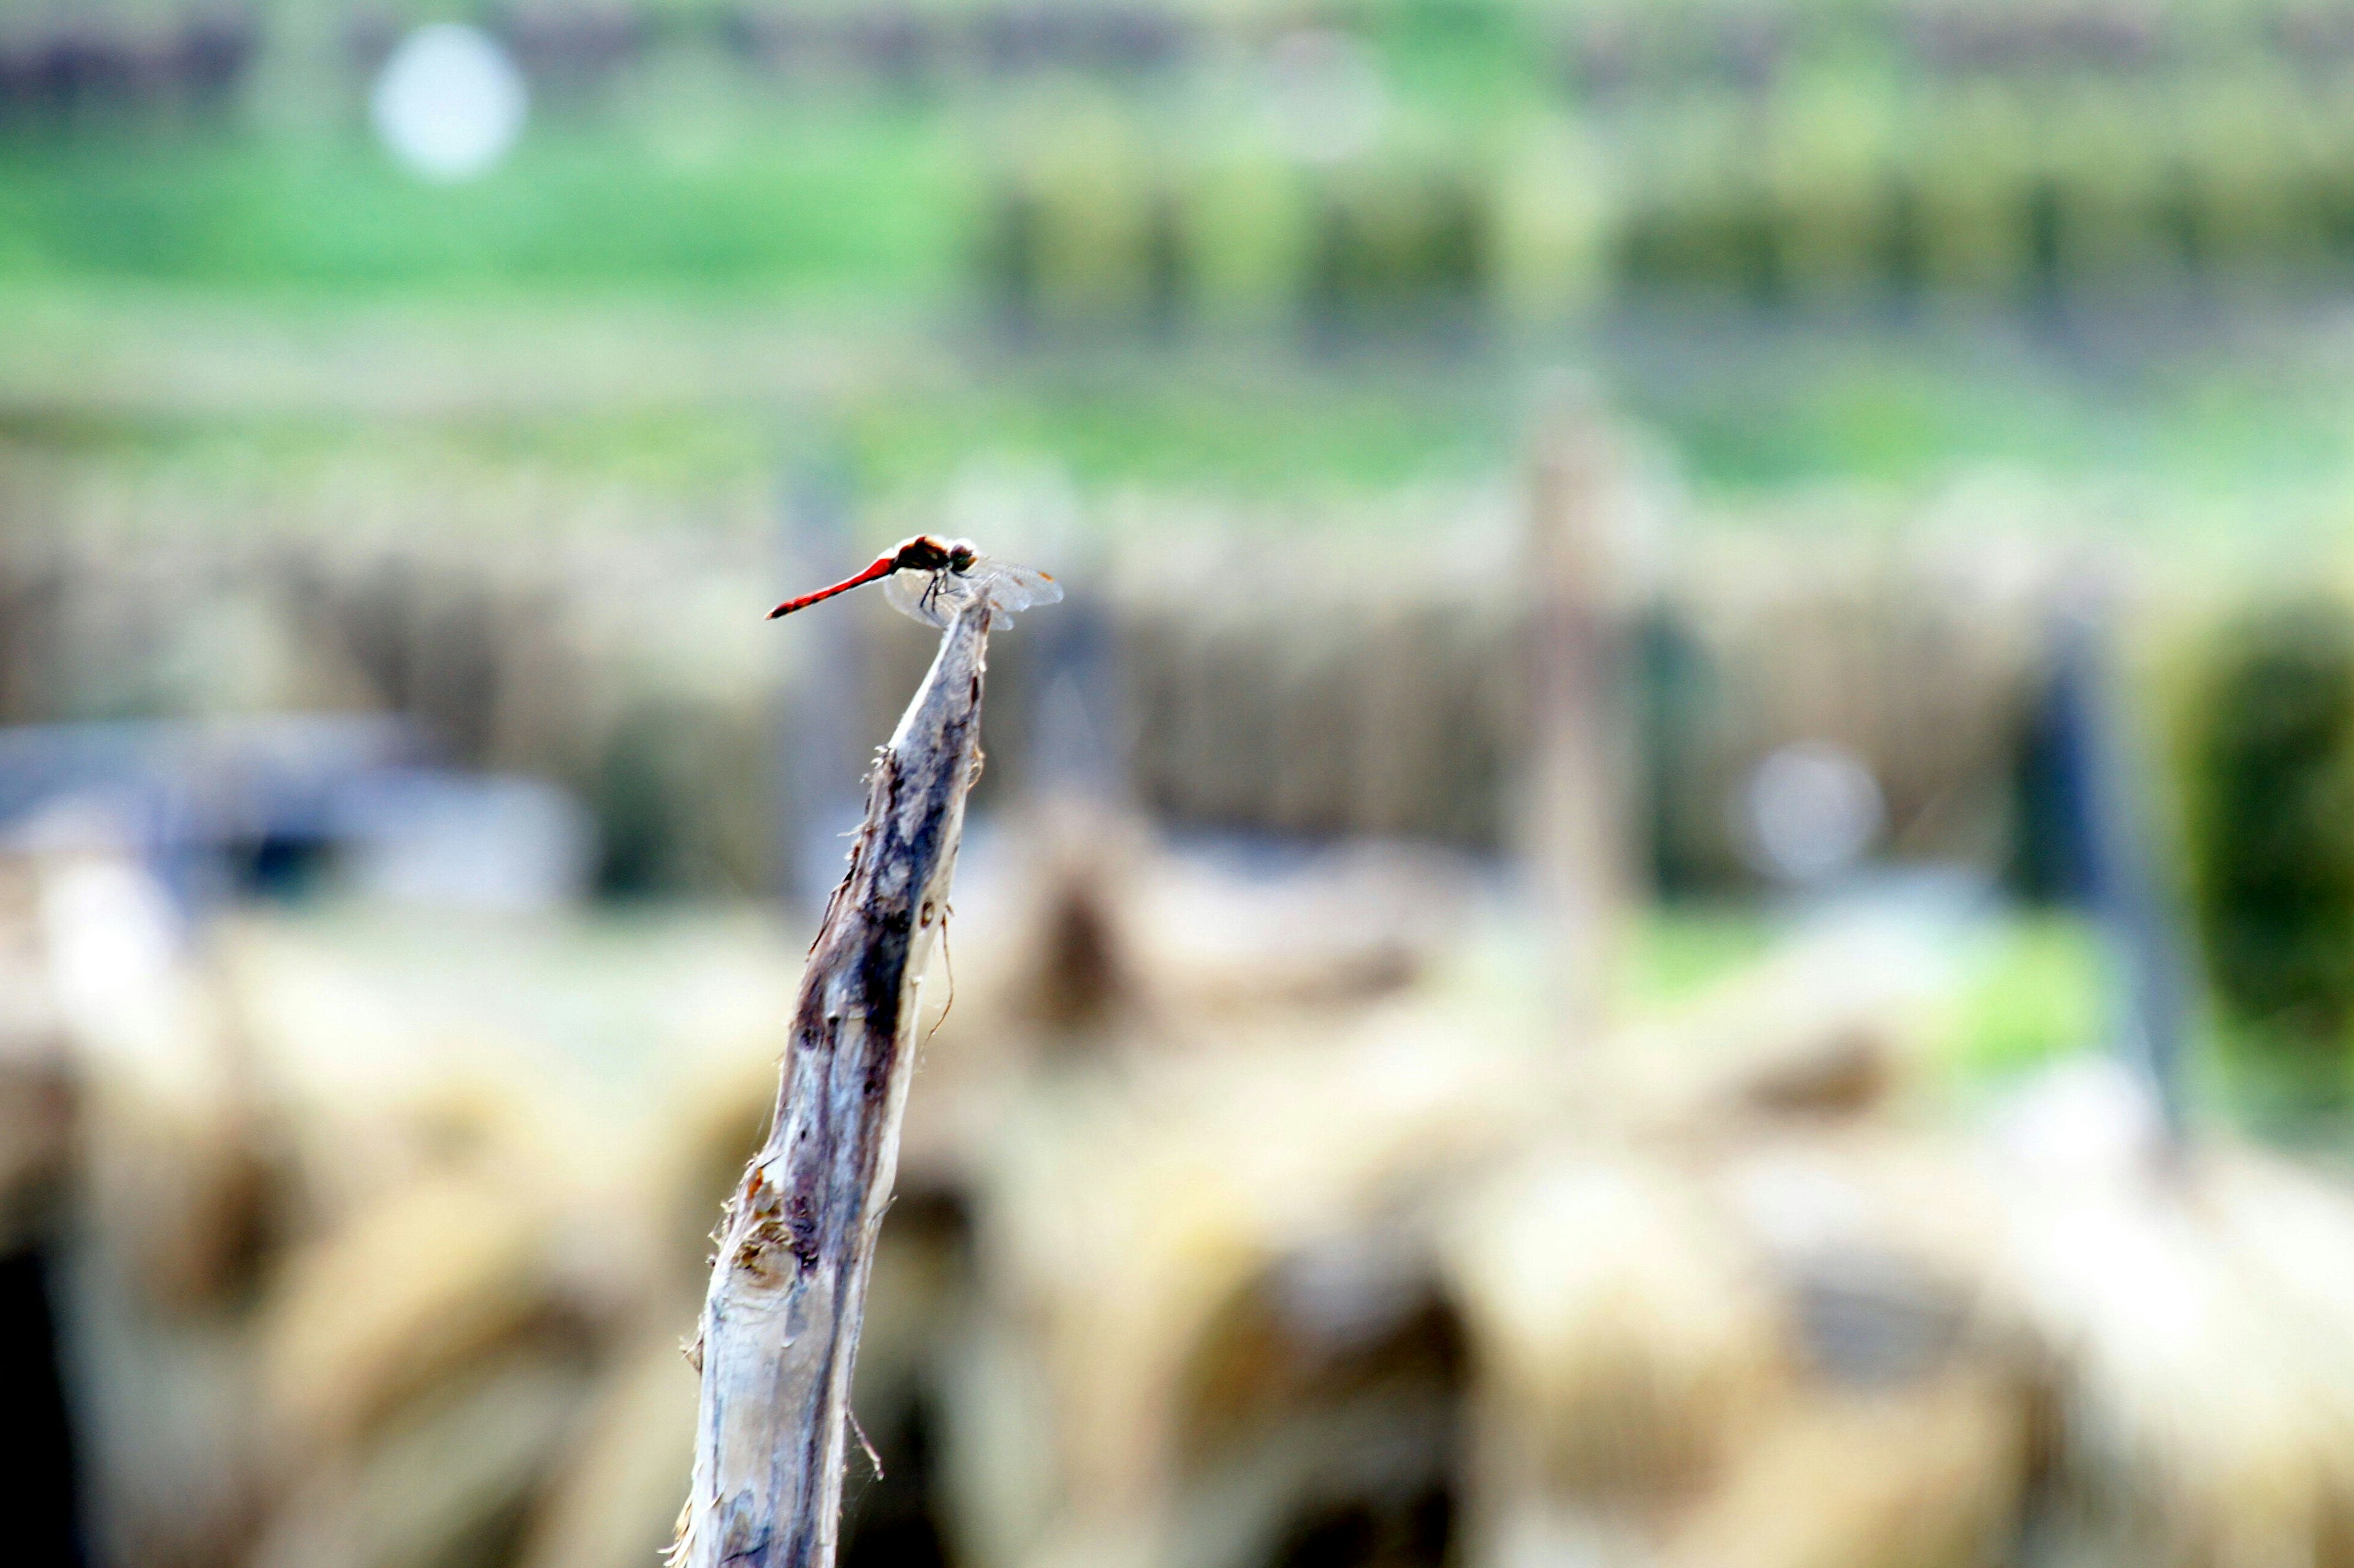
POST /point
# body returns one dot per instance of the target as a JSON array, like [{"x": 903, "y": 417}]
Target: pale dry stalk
[{"x": 780, "y": 1321}]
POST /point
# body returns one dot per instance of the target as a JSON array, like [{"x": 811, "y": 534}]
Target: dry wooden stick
[{"x": 780, "y": 1321}]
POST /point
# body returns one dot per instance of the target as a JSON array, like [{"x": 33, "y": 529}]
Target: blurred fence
[
  {"x": 1820, "y": 189},
  {"x": 1256, "y": 690}
]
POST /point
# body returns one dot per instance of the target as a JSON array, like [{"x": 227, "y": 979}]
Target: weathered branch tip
[{"x": 780, "y": 1321}]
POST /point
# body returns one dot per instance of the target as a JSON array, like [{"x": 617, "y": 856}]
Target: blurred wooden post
[
  {"x": 2116, "y": 859},
  {"x": 1576, "y": 826},
  {"x": 781, "y": 1319}
]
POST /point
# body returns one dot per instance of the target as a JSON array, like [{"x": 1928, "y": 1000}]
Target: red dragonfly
[{"x": 932, "y": 579}]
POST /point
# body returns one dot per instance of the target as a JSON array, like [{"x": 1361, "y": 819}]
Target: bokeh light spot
[{"x": 449, "y": 104}]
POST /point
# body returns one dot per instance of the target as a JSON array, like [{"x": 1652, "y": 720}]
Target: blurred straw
[{"x": 1577, "y": 829}]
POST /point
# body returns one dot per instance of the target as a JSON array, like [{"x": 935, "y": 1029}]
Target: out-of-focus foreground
[{"x": 1741, "y": 958}]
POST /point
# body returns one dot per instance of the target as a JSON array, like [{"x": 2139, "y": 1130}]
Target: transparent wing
[
  {"x": 934, "y": 597},
  {"x": 927, "y": 596},
  {"x": 1010, "y": 587}
]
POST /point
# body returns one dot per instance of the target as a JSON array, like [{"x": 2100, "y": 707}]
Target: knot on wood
[{"x": 775, "y": 1223}]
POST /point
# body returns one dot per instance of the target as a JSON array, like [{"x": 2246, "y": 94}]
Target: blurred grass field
[
  {"x": 2241, "y": 428},
  {"x": 694, "y": 259},
  {"x": 853, "y": 200}
]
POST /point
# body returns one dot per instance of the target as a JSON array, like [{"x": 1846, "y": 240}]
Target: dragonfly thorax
[{"x": 929, "y": 553}]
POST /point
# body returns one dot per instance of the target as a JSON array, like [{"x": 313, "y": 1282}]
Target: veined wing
[
  {"x": 1010, "y": 587},
  {"x": 932, "y": 598}
]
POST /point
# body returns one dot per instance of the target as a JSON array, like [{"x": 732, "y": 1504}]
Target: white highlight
[
  {"x": 1812, "y": 809},
  {"x": 449, "y": 104}
]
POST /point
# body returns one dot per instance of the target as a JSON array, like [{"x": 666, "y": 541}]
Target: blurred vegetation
[
  {"x": 2035, "y": 994},
  {"x": 2271, "y": 797},
  {"x": 1677, "y": 951},
  {"x": 1153, "y": 163},
  {"x": 1866, "y": 242},
  {"x": 2032, "y": 990},
  {"x": 819, "y": 202}
]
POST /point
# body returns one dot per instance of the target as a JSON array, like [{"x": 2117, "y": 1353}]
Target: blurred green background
[
  {"x": 1726, "y": 626},
  {"x": 1194, "y": 241}
]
